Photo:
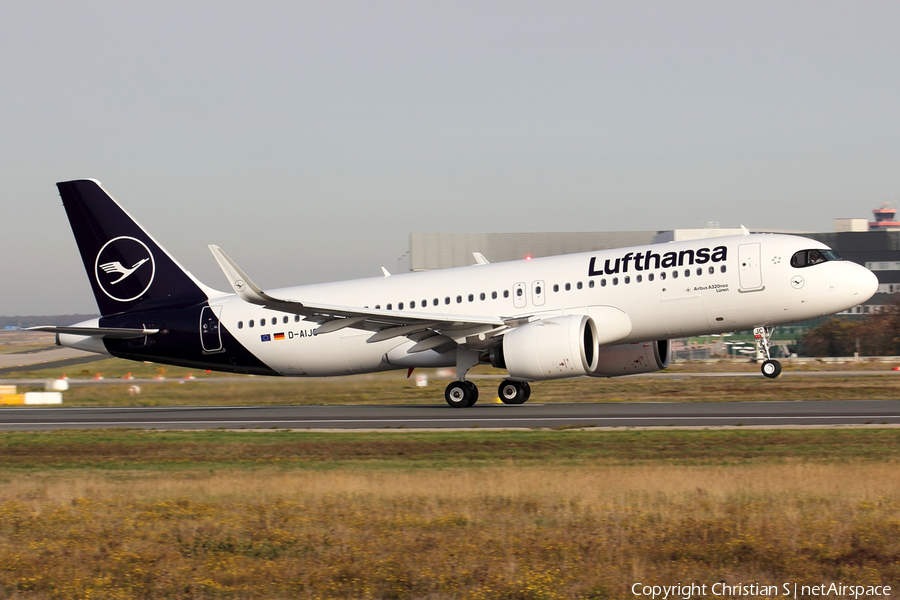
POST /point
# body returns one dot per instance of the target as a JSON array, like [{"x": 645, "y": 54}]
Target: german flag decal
[{"x": 279, "y": 336}]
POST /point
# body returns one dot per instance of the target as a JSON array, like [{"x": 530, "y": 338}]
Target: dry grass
[{"x": 531, "y": 533}]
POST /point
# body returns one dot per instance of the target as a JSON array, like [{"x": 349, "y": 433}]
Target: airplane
[{"x": 601, "y": 314}]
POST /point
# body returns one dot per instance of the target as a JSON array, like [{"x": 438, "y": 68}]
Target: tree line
[{"x": 878, "y": 334}]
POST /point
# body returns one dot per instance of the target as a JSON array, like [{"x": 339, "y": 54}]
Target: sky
[{"x": 308, "y": 139}]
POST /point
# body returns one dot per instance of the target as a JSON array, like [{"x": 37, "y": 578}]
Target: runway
[{"x": 698, "y": 414}]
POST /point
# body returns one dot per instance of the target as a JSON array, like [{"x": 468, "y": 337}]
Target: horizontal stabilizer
[{"x": 110, "y": 333}]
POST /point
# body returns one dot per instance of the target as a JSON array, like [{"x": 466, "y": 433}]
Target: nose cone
[{"x": 865, "y": 284}]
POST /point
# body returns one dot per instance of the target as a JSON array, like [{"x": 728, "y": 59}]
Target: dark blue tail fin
[{"x": 128, "y": 270}]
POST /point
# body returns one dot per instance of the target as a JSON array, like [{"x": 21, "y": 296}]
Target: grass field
[
  {"x": 499, "y": 515},
  {"x": 394, "y": 388}
]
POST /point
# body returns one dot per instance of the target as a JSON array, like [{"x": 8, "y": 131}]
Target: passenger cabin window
[
  {"x": 493, "y": 295},
  {"x": 568, "y": 286},
  {"x": 650, "y": 277},
  {"x": 639, "y": 278},
  {"x": 808, "y": 258},
  {"x": 435, "y": 302},
  {"x": 471, "y": 297},
  {"x": 399, "y": 306},
  {"x": 519, "y": 292},
  {"x": 297, "y": 318},
  {"x": 411, "y": 304},
  {"x": 712, "y": 270},
  {"x": 591, "y": 283},
  {"x": 459, "y": 299},
  {"x": 274, "y": 320},
  {"x": 628, "y": 279},
  {"x": 250, "y": 324},
  {"x": 722, "y": 268},
  {"x": 240, "y": 324},
  {"x": 377, "y": 307},
  {"x": 602, "y": 283},
  {"x": 482, "y": 296},
  {"x": 285, "y": 319},
  {"x": 389, "y": 306},
  {"x": 615, "y": 281},
  {"x": 425, "y": 303},
  {"x": 447, "y": 300},
  {"x": 578, "y": 285},
  {"x": 555, "y": 287},
  {"x": 506, "y": 293}
]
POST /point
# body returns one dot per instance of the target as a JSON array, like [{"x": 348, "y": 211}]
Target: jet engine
[
  {"x": 549, "y": 349},
  {"x": 630, "y": 359}
]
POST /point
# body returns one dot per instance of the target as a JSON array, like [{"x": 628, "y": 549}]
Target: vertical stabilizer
[{"x": 128, "y": 270}]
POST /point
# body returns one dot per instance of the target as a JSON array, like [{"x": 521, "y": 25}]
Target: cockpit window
[{"x": 807, "y": 258}]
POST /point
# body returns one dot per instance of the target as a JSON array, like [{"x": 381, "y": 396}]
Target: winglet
[
  {"x": 744, "y": 231},
  {"x": 242, "y": 285},
  {"x": 386, "y": 272},
  {"x": 480, "y": 259}
]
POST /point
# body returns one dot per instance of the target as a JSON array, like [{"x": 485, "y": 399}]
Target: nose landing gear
[{"x": 770, "y": 368}]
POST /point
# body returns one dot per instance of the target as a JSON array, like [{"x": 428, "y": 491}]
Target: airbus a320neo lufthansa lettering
[{"x": 602, "y": 314}]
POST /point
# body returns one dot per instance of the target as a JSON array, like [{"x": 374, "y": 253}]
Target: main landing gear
[
  {"x": 514, "y": 392},
  {"x": 770, "y": 368},
  {"x": 461, "y": 394}
]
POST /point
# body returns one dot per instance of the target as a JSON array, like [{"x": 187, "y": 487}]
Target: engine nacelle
[
  {"x": 631, "y": 359},
  {"x": 549, "y": 349}
]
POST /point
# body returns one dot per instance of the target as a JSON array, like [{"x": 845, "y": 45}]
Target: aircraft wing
[{"x": 422, "y": 327}]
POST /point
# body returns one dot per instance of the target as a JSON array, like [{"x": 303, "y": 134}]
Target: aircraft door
[
  {"x": 210, "y": 331},
  {"x": 537, "y": 293},
  {"x": 519, "y": 297},
  {"x": 749, "y": 266}
]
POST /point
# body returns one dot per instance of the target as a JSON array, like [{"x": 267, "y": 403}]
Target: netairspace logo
[{"x": 788, "y": 590}]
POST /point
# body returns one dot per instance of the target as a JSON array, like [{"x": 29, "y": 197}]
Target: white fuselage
[{"x": 738, "y": 283}]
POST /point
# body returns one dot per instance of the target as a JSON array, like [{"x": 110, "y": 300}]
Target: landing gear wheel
[
  {"x": 771, "y": 369},
  {"x": 514, "y": 392},
  {"x": 474, "y": 389},
  {"x": 461, "y": 394}
]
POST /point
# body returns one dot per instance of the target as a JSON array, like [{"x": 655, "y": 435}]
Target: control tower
[{"x": 885, "y": 219}]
